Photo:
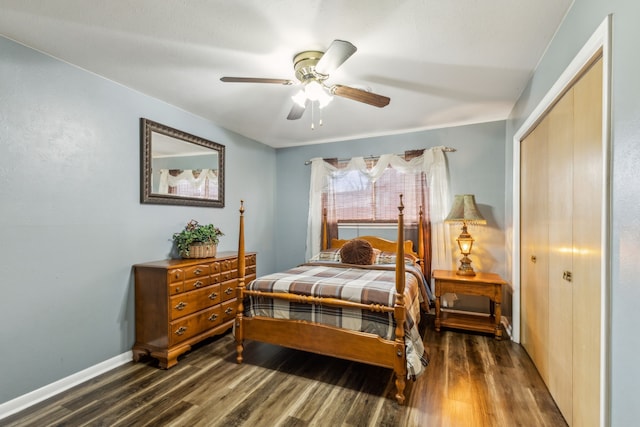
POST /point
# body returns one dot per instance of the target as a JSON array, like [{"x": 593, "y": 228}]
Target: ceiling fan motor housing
[{"x": 305, "y": 63}]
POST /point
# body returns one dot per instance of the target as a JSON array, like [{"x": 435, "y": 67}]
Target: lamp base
[
  {"x": 465, "y": 268},
  {"x": 463, "y": 272}
]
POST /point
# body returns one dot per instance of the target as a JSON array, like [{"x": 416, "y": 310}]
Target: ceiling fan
[{"x": 312, "y": 69}]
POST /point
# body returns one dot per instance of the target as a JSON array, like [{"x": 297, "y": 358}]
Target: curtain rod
[{"x": 371, "y": 156}]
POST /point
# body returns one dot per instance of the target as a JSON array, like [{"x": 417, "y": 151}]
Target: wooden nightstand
[{"x": 482, "y": 284}]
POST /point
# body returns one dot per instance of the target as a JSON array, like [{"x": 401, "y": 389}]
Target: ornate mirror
[{"x": 179, "y": 168}]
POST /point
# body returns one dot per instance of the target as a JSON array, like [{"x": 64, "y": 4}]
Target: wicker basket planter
[
  {"x": 197, "y": 241},
  {"x": 201, "y": 250}
]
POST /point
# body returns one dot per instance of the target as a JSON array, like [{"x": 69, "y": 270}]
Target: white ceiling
[{"x": 442, "y": 62}]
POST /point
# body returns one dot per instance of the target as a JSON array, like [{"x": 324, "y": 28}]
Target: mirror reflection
[{"x": 179, "y": 168}]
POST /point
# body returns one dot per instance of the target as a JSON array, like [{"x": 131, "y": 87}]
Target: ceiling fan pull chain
[{"x": 313, "y": 109}]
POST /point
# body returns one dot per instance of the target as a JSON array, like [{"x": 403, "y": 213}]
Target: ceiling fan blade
[
  {"x": 338, "y": 52},
  {"x": 360, "y": 95},
  {"x": 255, "y": 80},
  {"x": 297, "y": 111}
]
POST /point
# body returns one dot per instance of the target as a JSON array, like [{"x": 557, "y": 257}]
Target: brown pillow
[{"x": 357, "y": 251}]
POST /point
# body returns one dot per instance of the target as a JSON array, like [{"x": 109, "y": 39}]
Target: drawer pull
[
  {"x": 181, "y": 305},
  {"x": 198, "y": 284},
  {"x": 178, "y": 289},
  {"x": 229, "y": 310},
  {"x": 228, "y": 291},
  {"x": 213, "y": 317},
  {"x": 197, "y": 271},
  {"x": 181, "y": 330},
  {"x": 213, "y": 296}
]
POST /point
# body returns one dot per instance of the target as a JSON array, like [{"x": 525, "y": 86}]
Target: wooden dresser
[{"x": 179, "y": 302}]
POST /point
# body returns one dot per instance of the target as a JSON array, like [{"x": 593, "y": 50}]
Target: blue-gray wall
[
  {"x": 581, "y": 22},
  {"x": 71, "y": 224}
]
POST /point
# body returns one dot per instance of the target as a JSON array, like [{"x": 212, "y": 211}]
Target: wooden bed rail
[{"x": 332, "y": 302}]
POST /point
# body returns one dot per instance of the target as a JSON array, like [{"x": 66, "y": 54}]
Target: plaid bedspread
[{"x": 372, "y": 284}]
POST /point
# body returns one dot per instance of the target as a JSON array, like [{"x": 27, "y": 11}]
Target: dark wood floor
[{"x": 473, "y": 380}]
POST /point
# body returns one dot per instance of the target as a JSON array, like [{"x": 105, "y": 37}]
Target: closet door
[
  {"x": 560, "y": 204},
  {"x": 562, "y": 186},
  {"x": 534, "y": 242},
  {"x": 588, "y": 196}
]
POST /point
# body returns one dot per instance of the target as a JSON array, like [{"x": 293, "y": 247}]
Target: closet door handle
[
  {"x": 566, "y": 275},
  {"x": 533, "y": 258}
]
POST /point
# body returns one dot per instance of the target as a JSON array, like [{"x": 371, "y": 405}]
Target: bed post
[
  {"x": 399, "y": 310},
  {"x": 240, "y": 287},
  {"x": 423, "y": 261},
  {"x": 325, "y": 236}
]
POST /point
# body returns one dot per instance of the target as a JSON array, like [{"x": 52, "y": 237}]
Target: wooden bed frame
[{"x": 328, "y": 340}]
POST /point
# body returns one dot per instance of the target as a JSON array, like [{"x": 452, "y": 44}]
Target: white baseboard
[
  {"x": 26, "y": 400},
  {"x": 507, "y": 326}
]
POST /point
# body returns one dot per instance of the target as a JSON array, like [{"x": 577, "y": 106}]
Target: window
[
  {"x": 352, "y": 196},
  {"x": 364, "y": 190}
]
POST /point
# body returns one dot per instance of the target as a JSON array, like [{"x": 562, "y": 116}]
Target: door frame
[{"x": 598, "y": 44}]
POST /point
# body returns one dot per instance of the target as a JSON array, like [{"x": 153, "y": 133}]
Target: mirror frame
[{"x": 147, "y": 127}]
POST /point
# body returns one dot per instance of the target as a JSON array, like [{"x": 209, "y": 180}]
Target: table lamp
[{"x": 464, "y": 210}]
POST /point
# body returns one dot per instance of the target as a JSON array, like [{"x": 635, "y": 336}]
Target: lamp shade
[{"x": 464, "y": 209}]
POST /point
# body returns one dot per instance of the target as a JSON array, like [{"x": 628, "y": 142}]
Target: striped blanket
[{"x": 371, "y": 284}]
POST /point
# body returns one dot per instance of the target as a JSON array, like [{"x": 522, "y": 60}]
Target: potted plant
[{"x": 197, "y": 241}]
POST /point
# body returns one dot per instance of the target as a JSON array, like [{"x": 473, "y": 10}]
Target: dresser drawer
[
  {"x": 228, "y": 289},
  {"x": 215, "y": 278},
  {"x": 196, "y": 271},
  {"x": 229, "y": 309},
  {"x": 215, "y": 267},
  {"x": 226, "y": 275},
  {"x": 250, "y": 260},
  {"x": 197, "y": 283},
  {"x": 175, "y": 278},
  {"x": 192, "y": 301},
  {"x": 175, "y": 275},
  {"x": 194, "y": 324},
  {"x": 226, "y": 265}
]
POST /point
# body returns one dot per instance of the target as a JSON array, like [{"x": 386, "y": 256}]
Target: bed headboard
[
  {"x": 379, "y": 243},
  {"x": 386, "y": 245}
]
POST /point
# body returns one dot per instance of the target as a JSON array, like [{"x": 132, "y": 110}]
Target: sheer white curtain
[{"x": 432, "y": 162}]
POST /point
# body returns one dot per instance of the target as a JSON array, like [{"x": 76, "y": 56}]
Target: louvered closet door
[{"x": 534, "y": 260}]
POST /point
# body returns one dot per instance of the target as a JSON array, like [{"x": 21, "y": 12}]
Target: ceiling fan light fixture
[
  {"x": 315, "y": 91},
  {"x": 324, "y": 100},
  {"x": 300, "y": 98}
]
